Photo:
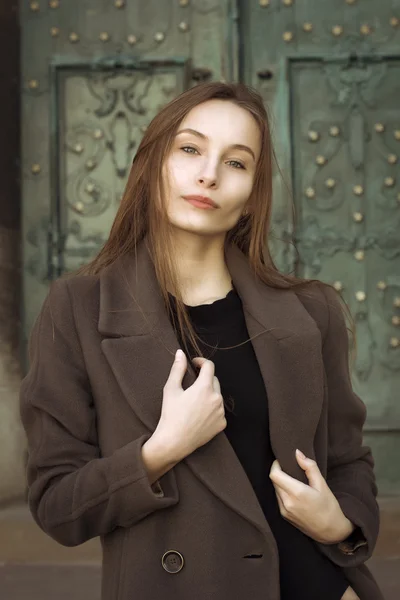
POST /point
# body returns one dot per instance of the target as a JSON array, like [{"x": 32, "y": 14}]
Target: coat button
[{"x": 172, "y": 561}]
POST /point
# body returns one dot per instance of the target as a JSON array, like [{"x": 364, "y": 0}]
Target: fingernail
[
  {"x": 299, "y": 452},
  {"x": 179, "y": 355}
]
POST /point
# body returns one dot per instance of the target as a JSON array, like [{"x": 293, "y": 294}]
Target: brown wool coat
[{"x": 93, "y": 396}]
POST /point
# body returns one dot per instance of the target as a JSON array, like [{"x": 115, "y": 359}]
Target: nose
[
  {"x": 208, "y": 177},
  {"x": 207, "y": 182}
]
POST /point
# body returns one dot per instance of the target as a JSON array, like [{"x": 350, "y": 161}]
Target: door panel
[
  {"x": 94, "y": 74},
  {"x": 102, "y": 115},
  {"x": 330, "y": 73},
  {"x": 345, "y": 171}
]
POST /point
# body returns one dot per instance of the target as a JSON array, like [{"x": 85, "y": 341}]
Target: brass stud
[
  {"x": 33, "y": 84},
  {"x": 54, "y": 4},
  {"x": 132, "y": 40},
  {"x": 54, "y": 31},
  {"x": 361, "y": 296},
  {"x": 159, "y": 37},
  {"x": 73, "y": 37},
  {"x": 264, "y": 3},
  {"x": 90, "y": 188},
  {"x": 394, "y": 21},
  {"x": 36, "y": 168},
  {"x": 183, "y": 2},
  {"x": 184, "y": 26},
  {"x": 396, "y": 302},
  {"x": 365, "y": 29},
  {"x": 78, "y": 148},
  {"x": 79, "y": 206},
  {"x": 379, "y": 127},
  {"x": 307, "y": 27},
  {"x": 392, "y": 159},
  {"x": 320, "y": 160},
  {"x": 119, "y": 3},
  {"x": 98, "y": 134},
  {"x": 287, "y": 2},
  {"x": 313, "y": 136},
  {"x": 358, "y": 217},
  {"x": 358, "y": 190},
  {"x": 351, "y": 1},
  {"x": 104, "y": 36},
  {"x": 381, "y": 285},
  {"x": 143, "y": 128},
  {"x": 337, "y": 30},
  {"x": 396, "y": 320},
  {"x": 397, "y": 134},
  {"x": 90, "y": 164},
  {"x": 330, "y": 183},
  {"x": 310, "y": 192},
  {"x": 287, "y": 36},
  {"x": 389, "y": 181},
  {"x": 334, "y": 131},
  {"x": 394, "y": 342},
  {"x": 338, "y": 285},
  {"x": 359, "y": 255},
  {"x": 34, "y": 6}
]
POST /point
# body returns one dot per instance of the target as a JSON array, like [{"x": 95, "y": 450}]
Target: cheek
[
  {"x": 239, "y": 190},
  {"x": 178, "y": 168}
]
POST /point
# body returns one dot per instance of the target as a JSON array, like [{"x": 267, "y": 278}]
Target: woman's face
[{"x": 214, "y": 156}]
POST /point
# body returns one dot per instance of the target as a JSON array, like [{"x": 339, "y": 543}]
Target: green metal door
[
  {"x": 330, "y": 72},
  {"x": 94, "y": 74}
]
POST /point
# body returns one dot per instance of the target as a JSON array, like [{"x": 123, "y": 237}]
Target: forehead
[{"x": 225, "y": 122}]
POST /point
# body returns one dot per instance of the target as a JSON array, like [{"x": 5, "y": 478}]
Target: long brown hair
[{"x": 140, "y": 215}]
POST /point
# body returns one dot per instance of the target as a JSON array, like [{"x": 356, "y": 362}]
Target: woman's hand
[
  {"x": 311, "y": 508},
  {"x": 190, "y": 418}
]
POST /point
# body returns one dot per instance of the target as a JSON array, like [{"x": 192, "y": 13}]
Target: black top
[{"x": 222, "y": 323}]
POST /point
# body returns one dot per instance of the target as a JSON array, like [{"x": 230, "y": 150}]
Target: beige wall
[{"x": 12, "y": 439}]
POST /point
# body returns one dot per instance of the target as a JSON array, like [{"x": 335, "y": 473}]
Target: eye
[
  {"x": 236, "y": 164},
  {"x": 189, "y": 149}
]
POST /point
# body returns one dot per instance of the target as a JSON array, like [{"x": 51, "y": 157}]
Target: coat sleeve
[
  {"x": 350, "y": 473},
  {"x": 74, "y": 493}
]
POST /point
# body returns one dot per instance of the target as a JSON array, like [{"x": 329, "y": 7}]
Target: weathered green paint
[
  {"x": 84, "y": 119},
  {"x": 349, "y": 81}
]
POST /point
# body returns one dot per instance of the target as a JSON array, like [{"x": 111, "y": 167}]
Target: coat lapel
[
  {"x": 139, "y": 344},
  {"x": 287, "y": 343}
]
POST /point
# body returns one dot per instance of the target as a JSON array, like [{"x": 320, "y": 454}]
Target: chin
[{"x": 197, "y": 228}]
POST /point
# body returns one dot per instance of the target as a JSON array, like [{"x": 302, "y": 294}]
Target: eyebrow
[{"x": 204, "y": 137}]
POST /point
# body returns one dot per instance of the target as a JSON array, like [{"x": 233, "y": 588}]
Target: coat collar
[{"x": 139, "y": 344}]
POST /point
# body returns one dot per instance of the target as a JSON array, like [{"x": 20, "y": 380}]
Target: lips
[{"x": 201, "y": 200}]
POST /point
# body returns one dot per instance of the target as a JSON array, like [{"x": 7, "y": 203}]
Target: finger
[
  {"x": 216, "y": 385},
  {"x": 278, "y": 498},
  {"x": 199, "y": 360},
  {"x": 311, "y": 469},
  {"x": 207, "y": 372},
  {"x": 178, "y": 370},
  {"x": 284, "y": 481},
  {"x": 281, "y": 505}
]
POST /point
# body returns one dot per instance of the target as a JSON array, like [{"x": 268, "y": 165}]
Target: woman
[{"x": 189, "y": 464}]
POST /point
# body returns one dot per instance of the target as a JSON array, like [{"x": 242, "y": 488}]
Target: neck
[{"x": 200, "y": 262}]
